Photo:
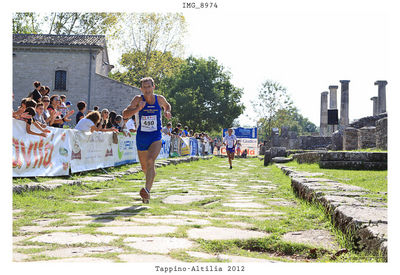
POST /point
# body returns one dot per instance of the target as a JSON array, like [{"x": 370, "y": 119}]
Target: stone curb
[
  {"x": 58, "y": 183},
  {"x": 360, "y": 218}
]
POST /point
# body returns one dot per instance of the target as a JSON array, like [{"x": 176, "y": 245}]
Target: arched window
[{"x": 61, "y": 80}]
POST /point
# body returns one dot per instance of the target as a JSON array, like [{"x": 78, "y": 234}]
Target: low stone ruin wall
[
  {"x": 354, "y": 160},
  {"x": 309, "y": 157},
  {"x": 367, "y": 121},
  {"x": 352, "y": 211}
]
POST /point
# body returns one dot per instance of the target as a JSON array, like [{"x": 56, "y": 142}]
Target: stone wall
[
  {"x": 381, "y": 134},
  {"x": 354, "y": 160},
  {"x": 309, "y": 157},
  {"x": 350, "y": 139},
  {"x": 112, "y": 94},
  {"x": 367, "y": 121},
  {"x": 366, "y": 137},
  {"x": 311, "y": 142},
  {"x": 35, "y": 65}
]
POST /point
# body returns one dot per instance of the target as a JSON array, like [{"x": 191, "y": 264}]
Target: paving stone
[
  {"x": 179, "y": 199},
  {"x": 241, "y": 259},
  {"x": 181, "y": 221},
  {"x": 80, "y": 251},
  {"x": 138, "y": 258},
  {"x": 245, "y": 205},
  {"x": 18, "y": 239},
  {"x": 189, "y": 212},
  {"x": 45, "y": 222},
  {"x": 86, "y": 196},
  {"x": 158, "y": 244},
  {"x": 48, "y": 228},
  {"x": 27, "y": 246},
  {"x": 19, "y": 257},
  {"x": 253, "y": 214},
  {"x": 79, "y": 260},
  {"x": 72, "y": 238},
  {"x": 220, "y": 233},
  {"x": 138, "y": 230},
  {"x": 111, "y": 222},
  {"x": 319, "y": 238},
  {"x": 201, "y": 255},
  {"x": 283, "y": 203},
  {"x": 240, "y": 224}
]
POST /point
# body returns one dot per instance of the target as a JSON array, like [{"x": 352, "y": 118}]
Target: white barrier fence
[{"x": 68, "y": 150}]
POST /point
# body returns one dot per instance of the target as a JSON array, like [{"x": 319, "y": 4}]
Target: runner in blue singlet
[{"x": 148, "y": 138}]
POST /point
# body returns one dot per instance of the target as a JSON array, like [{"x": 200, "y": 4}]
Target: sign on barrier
[
  {"x": 38, "y": 156},
  {"x": 165, "y": 148},
  {"x": 91, "y": 151},
  {"x": 126, "y": 150}
]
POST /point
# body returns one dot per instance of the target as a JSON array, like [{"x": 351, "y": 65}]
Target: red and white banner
[
  {"x": 34, "y": 155},
  {"x": 249, "y": 144}
]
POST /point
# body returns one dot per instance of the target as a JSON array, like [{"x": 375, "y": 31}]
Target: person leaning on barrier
[
  {"x": 30, "y": 121},
  {"x": 89, "y": 122}
]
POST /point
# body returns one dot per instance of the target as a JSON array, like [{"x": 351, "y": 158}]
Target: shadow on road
[{"x": 111, "y": 215}]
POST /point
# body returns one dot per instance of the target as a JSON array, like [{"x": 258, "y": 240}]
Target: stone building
[{"x": 74, "y": 65}]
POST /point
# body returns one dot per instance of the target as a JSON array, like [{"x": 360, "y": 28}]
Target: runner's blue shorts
[
  {"x": 143, "y": 141},
  {"x": 230, "y": 150}
]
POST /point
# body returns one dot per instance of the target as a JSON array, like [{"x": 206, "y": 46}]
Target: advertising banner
[
  {"x": 184, "y": 148},
  {"x": 34, "y": 155},
  {"x": 91, "y": 150},
  {"x": 194, "y": 149},
  {"x": 174, "y": 148},
  {"x": 242, "y": 132},
  {"x": 165, "y": 149},
  {"x": 126, "y": 150}
]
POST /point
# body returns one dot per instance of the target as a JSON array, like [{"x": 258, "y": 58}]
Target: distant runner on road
[
  {"x": 230, "y": 142},
  {"x": 148, "y": 138}
]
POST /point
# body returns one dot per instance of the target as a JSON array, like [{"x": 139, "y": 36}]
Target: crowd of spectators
[{"x": 45, "y": 110}]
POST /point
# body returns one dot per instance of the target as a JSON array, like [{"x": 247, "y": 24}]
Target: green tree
[
  {"x": 149, "y": 32},
  {"x": 202, "y": 96},
  {"x": 67, "y": 23},
  {"x": 273, "y": 106},
  {"x": 25, "y": 22},
  {"x": 152, "y": 46},
  {"x": 275, "y": 109},
  {"x": 136, "y": 66}
]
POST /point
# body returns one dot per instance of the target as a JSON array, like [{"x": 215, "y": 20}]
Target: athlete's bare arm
[
  {"x": 165, "y": 105},
  {"x": 136, "y": 105}
]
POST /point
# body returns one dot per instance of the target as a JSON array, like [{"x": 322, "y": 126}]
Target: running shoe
[{"x": 145, "y": 196}]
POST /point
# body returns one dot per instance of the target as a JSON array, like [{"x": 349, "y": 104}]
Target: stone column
[
  {"x": 344, "y": 104},
  {"x": 332, "y": 105},
  {"x": 381, "y": 95},
  {"x": 375, "y": 105},
  {"x": 323, "y": 128}
]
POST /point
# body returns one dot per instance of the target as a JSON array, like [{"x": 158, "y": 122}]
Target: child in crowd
[
  {"x": 63, "y": 106},
  {"x": 82, "y": 108},
  {"x": 117, "y": 125},
  {"x": 31, "y": 121},
  {"x": 89, "y": 123}
]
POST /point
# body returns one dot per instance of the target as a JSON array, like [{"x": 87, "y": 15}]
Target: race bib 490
[{"x": 148, "y": 123}]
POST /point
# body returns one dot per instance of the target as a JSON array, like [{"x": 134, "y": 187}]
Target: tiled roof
[{"x": 59, "y": 40}]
